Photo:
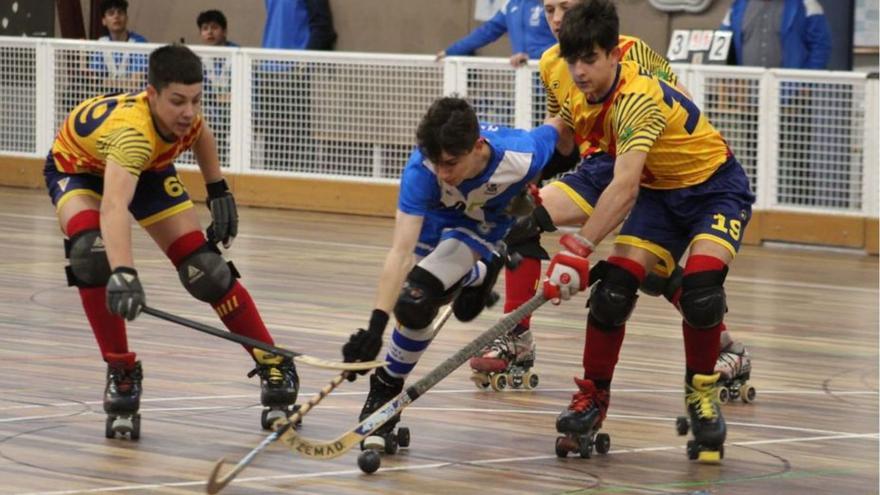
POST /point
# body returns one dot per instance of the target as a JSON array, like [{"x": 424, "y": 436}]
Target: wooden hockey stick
[
  {"x": 217, "y": 483},
  {"x": 241, "y": 339},
  {"x": 344, "y": 443}
]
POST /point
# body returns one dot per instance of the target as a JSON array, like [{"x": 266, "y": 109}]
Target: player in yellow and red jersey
[
  {"x": 112, "y": 158},
  {"x": 675, "y": 186},
  {"x": 570, "y": 201}
]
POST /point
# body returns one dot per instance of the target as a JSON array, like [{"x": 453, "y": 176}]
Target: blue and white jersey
[{"x": 475, "y": 212}]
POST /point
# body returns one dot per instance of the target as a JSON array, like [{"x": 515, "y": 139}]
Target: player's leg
[
  {"x": 717, "y": 214},
  {"x": 429, "y": 286},
  {"x": 77, "y": 202},
  {"x": 168, "y": 216},
  {"x": 568, "y": 201}
]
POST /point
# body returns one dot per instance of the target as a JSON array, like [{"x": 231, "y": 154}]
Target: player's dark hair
[
  {"x": 174, "y": 64},
  {"x": 587, "y": 26},
  {"x": 214, "y": 16},
  {"x": 113, "y": 4},
  {"x": 450, "y": 125}
]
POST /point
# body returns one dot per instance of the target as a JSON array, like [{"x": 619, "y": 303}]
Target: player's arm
[
  {"x": 618, "y": 198},
  {"x": 224, "y": 213},
  {"x": 399, "y": 259},
  {"x": 119, "y": 187}
]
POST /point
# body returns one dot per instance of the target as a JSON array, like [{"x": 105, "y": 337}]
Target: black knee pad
[
  {"x": 613, "y": 298},
  {"x": 420, "y": 299},
  {"x": 703, "y": 301},
  {"x": 206, "y": 275},
  {"x": 471, "y": 301},
  {"x": 89, "y": 266},
  {"x": 655, "y": 285}
]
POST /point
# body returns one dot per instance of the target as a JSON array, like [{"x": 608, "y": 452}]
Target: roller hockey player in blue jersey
[{"x": 460, "y": 192}]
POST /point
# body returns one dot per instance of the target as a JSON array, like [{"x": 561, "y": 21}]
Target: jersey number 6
[{"x": 89, "y": 118}]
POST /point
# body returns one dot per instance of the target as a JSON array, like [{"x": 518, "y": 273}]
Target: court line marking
[
  {"x": 348, "y": 245},
  {"x": 435, "y": 465}
]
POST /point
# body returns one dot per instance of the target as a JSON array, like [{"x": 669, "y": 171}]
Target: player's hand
[
  {"x": 224, "y": 214},
  {"x": 569, "y": 270},
  {"x": 125, "y": 296},
  {"x": 519, "y": 59},
  {"x": 364, "y": 345}
]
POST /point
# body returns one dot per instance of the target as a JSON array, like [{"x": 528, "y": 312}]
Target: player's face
[
  {"x": 455, "y": 169},
  {"x": 115, "y": 20},
  {"x": 212, "y": 33},
  {"x": 555, "y": 11},
  {"x": 594, "y": 73},
  {"x": 175, "y": 107}
]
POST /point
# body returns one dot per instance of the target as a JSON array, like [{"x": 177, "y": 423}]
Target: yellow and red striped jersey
[
  {"x": 560, "y": 88},
  {"x": 118, "y": 127},
  {"x": 645, "y": 113}
]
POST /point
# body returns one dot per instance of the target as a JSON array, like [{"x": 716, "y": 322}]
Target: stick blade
[
  {"x": 215, "y": 483},
  {"x": 339, "y": 365}
]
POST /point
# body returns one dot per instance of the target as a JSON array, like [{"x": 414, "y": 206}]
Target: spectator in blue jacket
[
  {"x": 119, "y": 71},
  {"x": 299, "y": 25},
  {"x": 779, "y": 33},
  {"x": 522, "y": 20}
]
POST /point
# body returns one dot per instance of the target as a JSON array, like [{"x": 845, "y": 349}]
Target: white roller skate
[
  {"x": 506, "y": 362},
  {"x": 735, "y": 367}
]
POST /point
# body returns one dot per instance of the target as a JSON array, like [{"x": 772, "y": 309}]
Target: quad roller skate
[
  {"x": 387, "y": 438},
  {"x": 705, "y": 420},
  {"x": 506, "y": 362},
  {"x": 279, "y": 386},
  {"x": 122, "y": 396},
  {"x": 581, "y": 421},
  {"x": 735, "y": 366}
]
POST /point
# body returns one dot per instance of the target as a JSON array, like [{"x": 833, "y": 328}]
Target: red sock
[
  {"x": 236, "y": 309},
  {"x": 602, "y": 348},
  {"x": 521, "y": 285},
  {"x": 701, "y": 346},
  {"x": 108, "y": 328}
]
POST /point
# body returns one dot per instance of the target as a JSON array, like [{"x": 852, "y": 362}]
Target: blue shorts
[
  {"x": 585, "y": 184},
  {"x": 666, "y": 222},
  {"x": 160, "y": 193},
  {"x": 479, "y": 236}
]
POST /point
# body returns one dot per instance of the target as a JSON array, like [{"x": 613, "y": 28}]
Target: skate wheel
[
  {"x": 391, "y": 444},
  {"x": 369, "y": 461},
  {"x": 530, "y": 380},
  {"x": 681, "y": 425},
  {"x": 693, "y": 451},
  {"x": 585, "y": 447},
  {"x": 403, "y": 436},
  {"x": 499, "y": 382},
  {"x": 748, "y": 394},
  {"x": 603, "y": 443},
  {"x": 108, "y": 427},
  {"x": 264, "y": 420},
  {"x": 481, "y": 380},
  {"x": 723, "y": 395},
  {"x": 135, "y": 427},
  {"x": 561, "y": 448}
]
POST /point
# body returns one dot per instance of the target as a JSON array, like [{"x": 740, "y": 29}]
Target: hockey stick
[
  {"x": 215, "y": 483},
  {"x": 344, "y": 443},
  {"x": 241, "y": 339}
]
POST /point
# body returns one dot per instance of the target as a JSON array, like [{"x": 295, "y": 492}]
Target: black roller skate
[
  {"x": 279, "y": 386},
  {"x": 735, "y": 366},
  {"x": 706, "y": 421},
  {"x": 122, "y": 396},
  {"x": 506, "y": 362},
  {"x": 581, "y": 422},
  {"x": 387, "y": 438}
]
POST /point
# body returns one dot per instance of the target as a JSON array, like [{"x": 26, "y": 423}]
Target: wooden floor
[{"x": 810, "y": 319}]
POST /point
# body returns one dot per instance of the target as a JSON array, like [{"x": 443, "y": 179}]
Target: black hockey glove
[
  {"x": 125, "y": 296},
  {"x": 364, "y": 345},
  {"x": 224, "y": 214}
]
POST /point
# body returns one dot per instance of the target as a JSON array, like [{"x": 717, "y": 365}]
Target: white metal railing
[{"x": 808, "y": 139}]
